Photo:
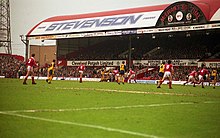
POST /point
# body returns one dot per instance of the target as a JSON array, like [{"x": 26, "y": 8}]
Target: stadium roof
[{"x": 193, "y": 12}]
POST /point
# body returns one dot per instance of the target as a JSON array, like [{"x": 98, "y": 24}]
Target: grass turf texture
[{"x": 99, "y": 109}]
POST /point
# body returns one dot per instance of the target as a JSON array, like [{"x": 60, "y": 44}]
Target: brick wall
[{"x": 43, "y": 54}]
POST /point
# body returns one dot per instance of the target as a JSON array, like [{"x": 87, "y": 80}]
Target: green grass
[{"x": 97, "y": 110}]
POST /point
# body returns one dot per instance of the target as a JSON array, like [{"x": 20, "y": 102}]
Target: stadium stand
[
  {"x": 12, "y": 66},
  {"x": 164, "y": 46},
  {"x": 174, "y": 46}
]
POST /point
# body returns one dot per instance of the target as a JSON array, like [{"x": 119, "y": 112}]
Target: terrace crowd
[{"x": 14, "y": 68}]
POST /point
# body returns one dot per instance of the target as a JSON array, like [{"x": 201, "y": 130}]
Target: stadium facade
[{"x": 183, "y": 18}]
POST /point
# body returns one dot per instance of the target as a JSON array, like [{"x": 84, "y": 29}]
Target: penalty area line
[{"x": 81, "y": 125}]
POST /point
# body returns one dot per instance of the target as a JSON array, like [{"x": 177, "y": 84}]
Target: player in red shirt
[
  {"x": 131, "y": 75},
  {"x": 191, "y": 78},
  {"x": 31, "y": 63},
  {"x": 202, "y": 74},
  {"x": 168, "y": 71},
  {"x": 81, "y": 68},
  {"x": 116, "y": 74}
]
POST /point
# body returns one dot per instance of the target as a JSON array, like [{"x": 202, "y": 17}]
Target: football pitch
[{"x": 107, "y": 110}]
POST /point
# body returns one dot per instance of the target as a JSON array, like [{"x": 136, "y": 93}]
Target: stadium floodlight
[
  {"x": 23, "y": 39},
  {"x": 26, "y": 42},
  {"x": 170, "y": 35},
  {"x": 153, "y": 36},
  {"x": 207, "y": 33},
  {"x": 188, "y": 34}
]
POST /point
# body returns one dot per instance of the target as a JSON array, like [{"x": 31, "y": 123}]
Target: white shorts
[
  {"x": 200, "y": 77},
  {"x": 167, "y": 74},
  {"x": 81, "y": 71},
  {"x": 191, "y": 78},
  {"x": 29, "y": 68}
]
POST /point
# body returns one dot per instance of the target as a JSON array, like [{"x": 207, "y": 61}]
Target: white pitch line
[
  {"x": 82, "y": 125},
  {"x": 13, "y": 113},
  {"x": 127, "y": 91},
  {"x": 210, "y": 102},
  {"x": 103, "y": 108},
  {"x": 94, "y": 108}
]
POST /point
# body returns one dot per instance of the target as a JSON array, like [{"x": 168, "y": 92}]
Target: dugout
[{"x": 130, "y": 28}]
